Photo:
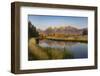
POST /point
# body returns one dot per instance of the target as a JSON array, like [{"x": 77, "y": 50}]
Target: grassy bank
[
  {"x": 40, "y": 53},
  {"x": 72, "y": 39}
]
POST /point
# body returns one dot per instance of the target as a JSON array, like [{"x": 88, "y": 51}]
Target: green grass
[{"x": 56, "y": 53}]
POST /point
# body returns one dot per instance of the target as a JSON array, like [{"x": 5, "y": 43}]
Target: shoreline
[{"x": 66, "y": 39}]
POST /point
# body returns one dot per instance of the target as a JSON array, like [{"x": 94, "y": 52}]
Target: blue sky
[{"x": 44, "y": 21}]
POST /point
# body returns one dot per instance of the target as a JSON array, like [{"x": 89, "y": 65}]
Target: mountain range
[{"x": 63, "y": 30}]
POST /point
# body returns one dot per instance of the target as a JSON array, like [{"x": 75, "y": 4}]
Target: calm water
[{"x": 78, "y": 50}]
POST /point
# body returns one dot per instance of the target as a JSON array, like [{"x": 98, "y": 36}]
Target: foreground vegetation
[{"x": 40, "y": 53}]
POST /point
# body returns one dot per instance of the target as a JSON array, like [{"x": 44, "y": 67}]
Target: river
[{"x": 78, "y": 49}]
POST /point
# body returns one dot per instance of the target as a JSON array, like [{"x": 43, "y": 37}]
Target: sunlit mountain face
[{"x": 63, "y": 30}]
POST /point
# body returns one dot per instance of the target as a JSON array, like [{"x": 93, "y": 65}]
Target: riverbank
[
  {"x": 69, "y": 39},
  {"x": 36, "y": 52}
]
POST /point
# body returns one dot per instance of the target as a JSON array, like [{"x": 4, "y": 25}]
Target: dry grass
[
  {"x": 70, "y": 38},
  {"x": 40, "y": 53},
  {"x": 37, "y": 52}
]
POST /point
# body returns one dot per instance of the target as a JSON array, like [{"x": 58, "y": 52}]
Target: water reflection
[{"x": 79, "y": 50}]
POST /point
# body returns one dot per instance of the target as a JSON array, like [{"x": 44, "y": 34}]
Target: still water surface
[{"x": 78, "y": 49}]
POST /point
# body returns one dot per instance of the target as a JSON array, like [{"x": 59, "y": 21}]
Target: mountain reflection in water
[{"x": 78, "y": 49}]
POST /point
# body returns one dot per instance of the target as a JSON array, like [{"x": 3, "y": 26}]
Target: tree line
[{"x": 32, "y": 32}]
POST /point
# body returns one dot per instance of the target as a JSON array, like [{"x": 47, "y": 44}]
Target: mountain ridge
[{"x": 63, "y": 30}]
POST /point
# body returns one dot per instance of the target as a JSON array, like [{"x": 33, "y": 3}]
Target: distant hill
[{"x": 64, "y": 30}]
